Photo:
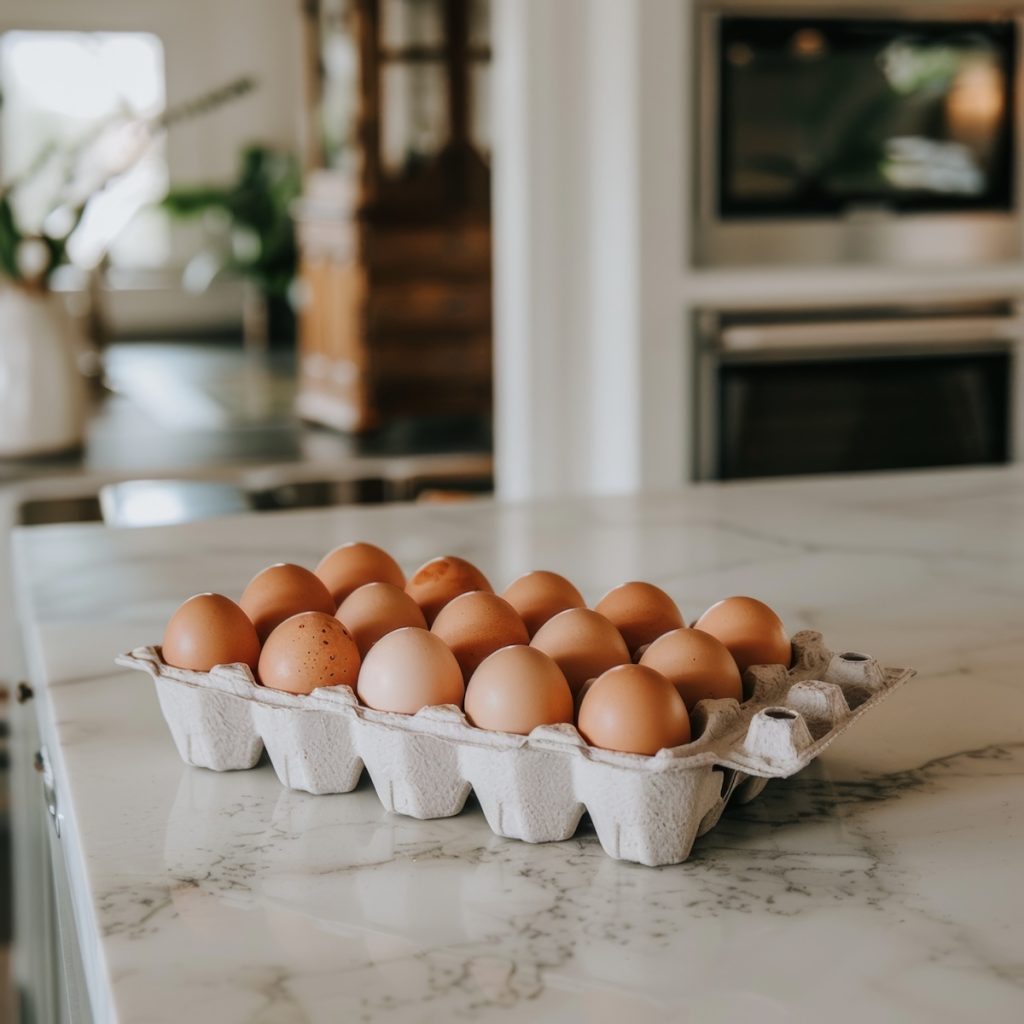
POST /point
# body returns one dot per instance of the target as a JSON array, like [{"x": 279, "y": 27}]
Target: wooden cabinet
[{"x": 394, "y": 227}]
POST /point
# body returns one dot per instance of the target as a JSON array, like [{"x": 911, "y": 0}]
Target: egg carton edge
[{"x": 647, "y": 809}]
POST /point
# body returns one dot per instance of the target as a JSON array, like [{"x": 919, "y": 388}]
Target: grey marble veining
[{"x": 880, "y": 884}]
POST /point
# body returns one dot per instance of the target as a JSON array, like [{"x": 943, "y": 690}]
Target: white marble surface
[{"x": 881, "y": 884}]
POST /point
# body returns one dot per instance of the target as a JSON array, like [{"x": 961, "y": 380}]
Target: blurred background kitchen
[{"x": 262, "y": 254}]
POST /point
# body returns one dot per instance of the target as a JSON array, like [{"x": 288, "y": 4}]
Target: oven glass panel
[
  {"x": 863, "y": 414},
  {"x": 821, "y": 115}
]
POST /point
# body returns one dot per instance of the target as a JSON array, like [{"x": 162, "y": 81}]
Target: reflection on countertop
[{"x": 173, "y": 407}]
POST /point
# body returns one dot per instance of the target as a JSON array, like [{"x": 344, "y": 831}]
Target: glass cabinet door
[
  {"x": 407, "y": 25},
  {"x": 414, "y": 115},
  {"x": 339, "y": 82},
  {"x": 414, "y": 99}
]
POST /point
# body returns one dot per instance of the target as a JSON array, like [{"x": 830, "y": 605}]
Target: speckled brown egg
[
  {"x": 376, "y": 609},
  {"x": 281, "y": 591},
  {"x": 440, "y": 580},
  {"x": 539, "y": 596},
  {"x": 410, "y": 669},
  {"x": 515, "y": 690},
  {"x": 696, "y": 664},
  {"x": 208, "y": 630},
  {"x": 583, "y": 643},
  {"x": 753, "y": 633},
  {"x": 635, "y": 710},
  {"x": 641, "y": 612},
  {"x": 308, "y": 650},
  {"x": 477, "y": 624},
  {"x": 355, "y": 564}
]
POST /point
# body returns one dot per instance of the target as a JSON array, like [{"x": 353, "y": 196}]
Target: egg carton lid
[{"x": 788, "y": 717}]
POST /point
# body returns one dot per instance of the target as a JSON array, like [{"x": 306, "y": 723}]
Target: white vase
[{"x": 43, "y": 394}]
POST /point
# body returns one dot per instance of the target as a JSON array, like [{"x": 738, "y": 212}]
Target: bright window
[{"x": 65, "y": 89}]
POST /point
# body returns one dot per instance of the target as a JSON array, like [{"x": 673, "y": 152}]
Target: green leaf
[
  {"x": 259, "y": 201},
  {"x": 195, "y": 200},
  {"x": 10, "y": 239}
]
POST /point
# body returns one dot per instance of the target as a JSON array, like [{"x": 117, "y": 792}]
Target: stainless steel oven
[
  {"x": 781, "y": 393},
  {"x": 861, "y": 134}
]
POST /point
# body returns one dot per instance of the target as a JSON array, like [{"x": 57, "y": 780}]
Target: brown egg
[
  {"x": 308, "y": 650},
  {"x": 633, "y": 709},
  {"x": 410, "y": 669},
  {"x": 515, "y": 690},
  {"x": 281, "y": 591},
  {"x": 376, "y": 609},
  {"x": 696, "y": 664},
  {"x": 753, "y": 633},
  {"x": 477, "y": 624},
  {"x": 436, "y": 582},
  {"x": 640, "y": 611},
  {"x": 209, "y": 630},
  {"x": 354, "y": 564},
  {"x": 583, "y": 643},
  {"x": 540, "y": 596}
]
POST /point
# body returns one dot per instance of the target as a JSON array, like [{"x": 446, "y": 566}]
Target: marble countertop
[{"x": 880, "y": 884}]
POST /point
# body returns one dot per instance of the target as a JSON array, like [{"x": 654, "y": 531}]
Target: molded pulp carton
[{"x": 537, "y": 787}]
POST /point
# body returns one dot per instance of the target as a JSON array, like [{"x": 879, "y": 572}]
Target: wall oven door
[{"x": 829, "y": 392}]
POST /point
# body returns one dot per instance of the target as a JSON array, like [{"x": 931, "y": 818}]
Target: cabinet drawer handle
[{"x": 42, "y": 765}]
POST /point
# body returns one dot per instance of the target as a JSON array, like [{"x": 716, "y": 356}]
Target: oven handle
[{"x": 856, "y": 333}]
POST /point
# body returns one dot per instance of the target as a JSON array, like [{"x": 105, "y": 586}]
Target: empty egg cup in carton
[{"x": 537, "y": 787}]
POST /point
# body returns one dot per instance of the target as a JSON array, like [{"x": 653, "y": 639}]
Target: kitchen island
[{"x": 882, "y": 883}]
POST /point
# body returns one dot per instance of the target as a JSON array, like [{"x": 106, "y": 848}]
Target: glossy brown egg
[
  {"x": 583, "y": 643},
  {"x": 696, "y": 664},
  {"x": 209, "y": 630},
  {"x": 635, "y": 710},
  {"x": 308, "y": 650},
  {"x": 477, "y": 624},
  {"x": 539, "y": 596},
  {"x": 352, "y": 565},
  {"x": 376, "y": 609},
  {"x": 515, "y": 690},
  {"x": 640, "y": 611},
  {"x": 410, "y": 669},
  {"x": 753, "y": 633},
  {"x": 281, "y": 591},
  {"x": 438, "y": 581}
]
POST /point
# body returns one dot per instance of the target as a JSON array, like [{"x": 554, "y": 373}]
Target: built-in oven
[
  {"x": 866, "y": 133},
  {"x": 780, "y": 393}
]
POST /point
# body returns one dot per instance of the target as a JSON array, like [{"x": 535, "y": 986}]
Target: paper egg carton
[{"x": 537, "y": 787}]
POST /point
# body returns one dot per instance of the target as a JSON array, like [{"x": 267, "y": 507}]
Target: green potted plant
[
  {"x": 43, "y": 395},
  {"x": 259, "y": 241}
]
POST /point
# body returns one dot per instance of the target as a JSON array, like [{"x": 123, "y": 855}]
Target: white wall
[
  {"x": 590, "y": 241},
  {"x": 206, "y": 43}
]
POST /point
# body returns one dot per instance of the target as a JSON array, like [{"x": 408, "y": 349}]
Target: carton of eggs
[
  {"x": 527, "y": 658},
  {"x": 439, "y": 685},
  {"x": 535, "y": 656}
]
